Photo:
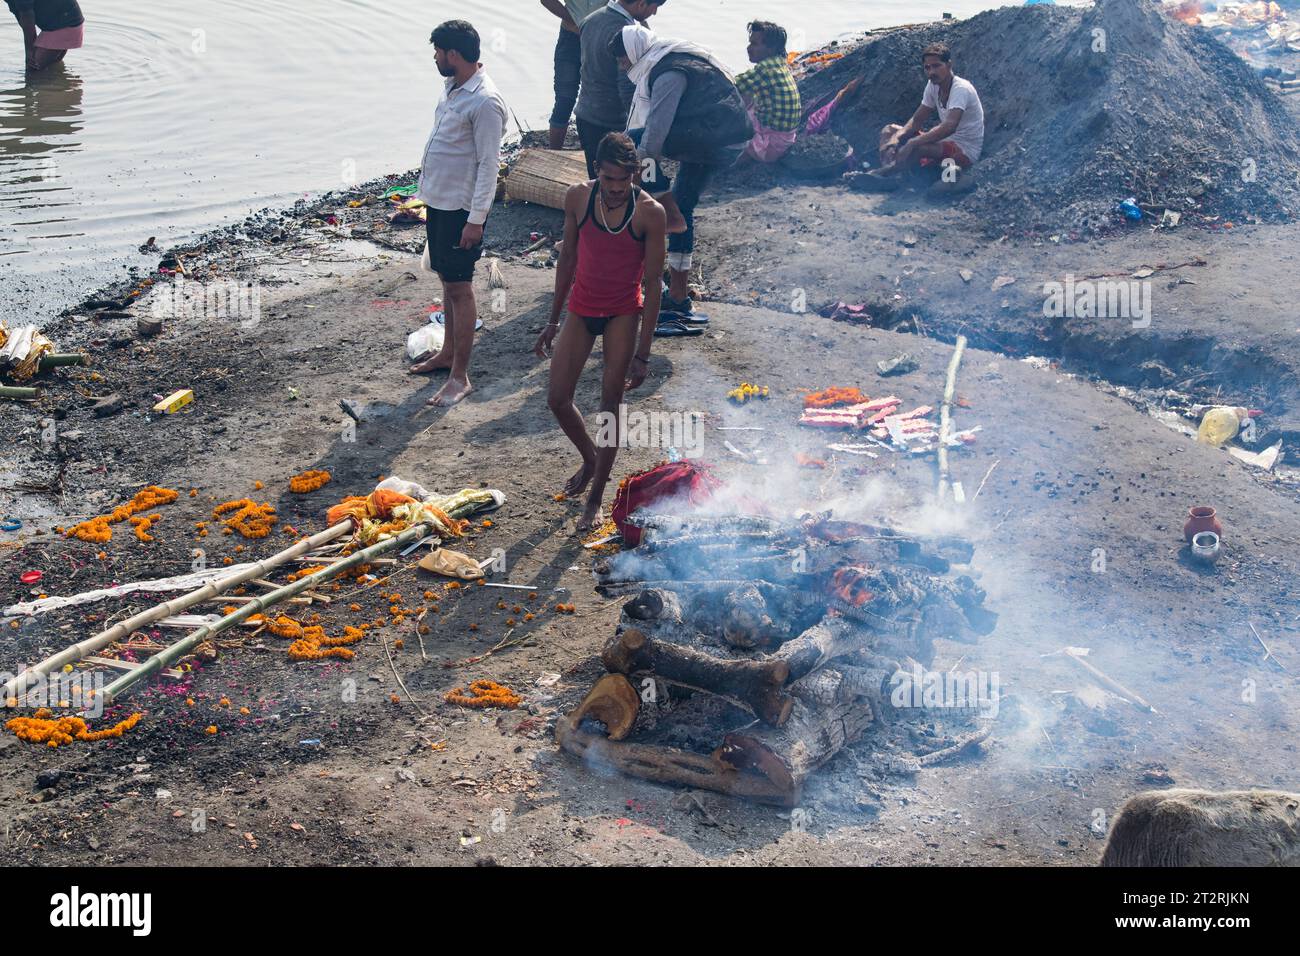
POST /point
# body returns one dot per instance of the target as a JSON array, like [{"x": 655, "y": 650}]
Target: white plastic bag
[
  {"x": 424, "y": 340},
  {"x": 425, "y": 264}
]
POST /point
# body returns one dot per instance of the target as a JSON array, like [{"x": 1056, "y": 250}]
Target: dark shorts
[{"x": 452, "y": 263}]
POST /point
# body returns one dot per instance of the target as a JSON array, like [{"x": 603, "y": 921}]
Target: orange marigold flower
[
  {"x": 309, "y": 481},
  {"x": 484, "y": 693}
]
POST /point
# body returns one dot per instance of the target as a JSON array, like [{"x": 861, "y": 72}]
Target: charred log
[{"x": 755, "y": 684}]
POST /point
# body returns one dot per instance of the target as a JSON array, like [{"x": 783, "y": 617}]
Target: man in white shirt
[
  {"x": 959, "y": 136},
  {"x": 458, "y": 182}
]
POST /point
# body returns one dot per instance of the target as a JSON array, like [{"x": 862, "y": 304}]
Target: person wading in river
[
  {"x": 614, "y": 244},
  {"x": 62, "y": 28},
  {"x": 458, "y": 182}
]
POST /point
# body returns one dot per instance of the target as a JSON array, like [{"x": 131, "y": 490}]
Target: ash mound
[{"x": 1084, "y": 108}]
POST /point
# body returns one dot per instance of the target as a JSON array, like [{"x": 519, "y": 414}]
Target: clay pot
[{"x": 1201, "y": 518}]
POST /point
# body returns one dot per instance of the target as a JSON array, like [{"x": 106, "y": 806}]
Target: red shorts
[{"x": 950, "y": 151}]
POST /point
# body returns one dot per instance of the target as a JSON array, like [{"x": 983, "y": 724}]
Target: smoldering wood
[
  {"x": 757, "y": 614},
  {"x": 755, "y": 684},
  {"x": 827, "y": 715}
]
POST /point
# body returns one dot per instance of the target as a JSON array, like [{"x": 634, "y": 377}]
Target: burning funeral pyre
[{"x": 753, "y": 649}]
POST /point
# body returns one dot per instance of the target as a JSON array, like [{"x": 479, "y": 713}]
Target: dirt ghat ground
[{"x": 1076, "y": 470}]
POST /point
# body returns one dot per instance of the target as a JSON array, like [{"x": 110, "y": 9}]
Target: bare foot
[
  {"x": 434, "y": 363},
  {"x": 592, "y": 517},
  {"x": 450, "y": 394},
  {"x": 580, "y": 478}
]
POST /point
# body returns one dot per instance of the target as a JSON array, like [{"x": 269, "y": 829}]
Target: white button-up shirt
[{"x": 463, "y": 154}]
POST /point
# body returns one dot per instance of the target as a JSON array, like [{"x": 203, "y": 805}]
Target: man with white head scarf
[{"x": 686, "y": 108}]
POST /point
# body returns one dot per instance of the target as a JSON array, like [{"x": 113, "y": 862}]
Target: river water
[{"x": 180, "y": 117}]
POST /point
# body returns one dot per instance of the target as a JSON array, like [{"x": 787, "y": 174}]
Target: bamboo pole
[
  {"x": 945, "y": 414},
  {"x": 1111, "y": 684},
  {"x": 18, "y": 685},
  {"x": 58, "y": 359},
  {"x": 18, "y": 391},
  {"x": 182, "y": 647}
]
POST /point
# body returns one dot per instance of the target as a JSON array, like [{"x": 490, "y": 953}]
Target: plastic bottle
[
  {"x": 1131, "y": 210},
  {"x": 1220, "y": 424}
]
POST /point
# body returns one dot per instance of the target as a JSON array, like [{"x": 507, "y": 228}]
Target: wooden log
[
  {"x": 829, "y": 713},
  {"x": 662, "y": 764},
  {"x": 832, "y": 637},
  {"x": 755, "y": 684},
  {"x": 613, "y": 702}
]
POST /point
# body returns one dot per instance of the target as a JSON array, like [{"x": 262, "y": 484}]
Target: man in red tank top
[{"x": 614, "y": 245}]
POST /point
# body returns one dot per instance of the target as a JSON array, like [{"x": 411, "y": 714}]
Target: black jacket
[
  {"x": 49, "y": 14},
  {"x": 711, "y": 114}
]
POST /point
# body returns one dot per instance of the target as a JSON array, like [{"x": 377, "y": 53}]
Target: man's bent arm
[
  {"x": 489, "y": 127},
  {"x": 560, "y": 10},
  {"x": 943, "y": 130},
  {"x": 25, "y": 14},
  {"x": 664, "y": 99},
  {"x": 914, "y": 124}
]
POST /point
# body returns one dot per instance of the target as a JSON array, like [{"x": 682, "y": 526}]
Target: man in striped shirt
[{"x": 770, "y": 92}]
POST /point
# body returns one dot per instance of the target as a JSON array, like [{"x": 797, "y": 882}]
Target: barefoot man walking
[
  {"x": 614, "y": 244},
  {"x": 458, "y": 181}
]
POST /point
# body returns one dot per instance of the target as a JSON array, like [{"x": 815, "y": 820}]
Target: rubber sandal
[
  {"x": 442, "y": 320},
  {"x": 671, "y": 327}
]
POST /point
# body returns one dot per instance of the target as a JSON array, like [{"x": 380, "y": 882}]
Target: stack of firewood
[{"x": 797, "y": 627}]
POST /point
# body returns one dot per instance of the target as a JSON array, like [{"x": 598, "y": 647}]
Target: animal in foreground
[{"x": 1184, "y": 827}]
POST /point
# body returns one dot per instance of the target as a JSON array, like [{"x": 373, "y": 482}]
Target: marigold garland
[
  {"x": 835, "y": 395},
  {"x": 97, "y": 529},
  {"x": 309, "y": 481},
  {"x": 314, "y": 645},
  {"x": 745, "y": 391},
  {"x": 484, "y": 693},
  {"x": 41, "y": 729},
  {"x": 246, "y": 517}
]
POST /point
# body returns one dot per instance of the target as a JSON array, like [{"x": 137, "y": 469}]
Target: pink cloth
[
  {"x": 69, "y": 38},
  {"x": 768, "y": 145}
]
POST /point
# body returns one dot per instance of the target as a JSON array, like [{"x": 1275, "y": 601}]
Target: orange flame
[{"x": 850, "y": 586}]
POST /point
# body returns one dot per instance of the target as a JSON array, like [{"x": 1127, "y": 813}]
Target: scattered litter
[
  {"x": 900, "y": 364},
  {"x": 1265, "y": 459},
  {"x": 451, "y": 564},
  {"x": 174, "y": 402},
  {"x": 853, "y": 449},
  {"x": 1001, "y": 281}
]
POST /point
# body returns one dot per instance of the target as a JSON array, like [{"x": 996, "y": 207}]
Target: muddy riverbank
[{"x": 1076, "y": 470}]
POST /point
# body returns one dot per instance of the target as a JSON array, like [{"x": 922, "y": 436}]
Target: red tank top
[{"x": 611, "y": 264}]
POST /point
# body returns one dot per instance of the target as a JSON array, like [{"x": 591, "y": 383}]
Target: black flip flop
[{"x": 672, "y": 327}]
